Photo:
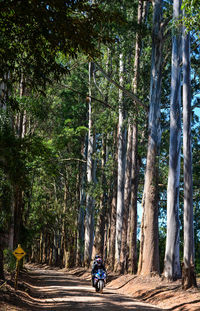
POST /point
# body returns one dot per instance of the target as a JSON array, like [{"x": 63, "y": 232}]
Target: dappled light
[{"x": 69, "y": 291}]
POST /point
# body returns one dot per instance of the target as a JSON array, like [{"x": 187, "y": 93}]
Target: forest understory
[{"x": 153, "y": 290}]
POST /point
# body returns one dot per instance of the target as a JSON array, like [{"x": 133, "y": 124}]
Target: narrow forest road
[{"x": 57, "y": 290}]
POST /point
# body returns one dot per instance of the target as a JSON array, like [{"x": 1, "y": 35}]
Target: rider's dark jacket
[{"x": 96, "y": 266}]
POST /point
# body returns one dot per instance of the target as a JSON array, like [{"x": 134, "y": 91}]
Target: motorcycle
[{"x": 100, "y": 280}]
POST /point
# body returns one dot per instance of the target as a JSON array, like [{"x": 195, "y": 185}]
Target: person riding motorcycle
[{"x": 97, "y": 264}]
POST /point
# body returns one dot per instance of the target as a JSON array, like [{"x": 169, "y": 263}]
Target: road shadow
[{"x": 45, "y": 290}]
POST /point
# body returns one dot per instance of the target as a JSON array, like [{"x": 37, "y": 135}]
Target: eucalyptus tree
[
  {"x": 99, "y": 247},
  {"x": 128, "y": 254},
  {"x": 121, "y": 172},
  {"x": 81, "y": 208},
  {"x": 141, "y": 20},
  {"x": 126, "y": 35},
  {"x": 101, "y": 238},
  {"x": 172, "y": 268},
  {"x": 89, "y": 217},
  {"x": 111, "y": 255},
  {"x": 195, "y": 130},
  {"x": 150, "y": 251},
  {"x": 188, "y": 274},
  {"x": 191, "y": 23}
]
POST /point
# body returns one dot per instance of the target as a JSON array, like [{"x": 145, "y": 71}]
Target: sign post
[{"x": 19, "y": 253}]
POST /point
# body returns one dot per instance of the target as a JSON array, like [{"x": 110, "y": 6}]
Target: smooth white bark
[
  {"x": 172, "y": 261},
  {"x": 188, "y": 257},
  {"x": 120, "y": 180},
  {"x": 89, "y": 217}
]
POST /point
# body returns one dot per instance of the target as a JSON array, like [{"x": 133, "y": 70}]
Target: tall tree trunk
[
  {"x": 127, "y": 194},
  {"x": 100, "y": 246},
  {"x": 188, "y": 274},
  {"x": 81, "y": 211},
  {"x": 64, "y": 226},
  {"x": 80, "y": 233},
  {"x": 134, "y": 157},
  {"x": 141, "y": 238},
  {"x": 120, "y": 178},
  {"x": 41, "y": 247},
  {"x": 99, "y": 232},
  {"x": 172, "y": 262},
  {"x": 4, "y": 91},
  {"x": 150, "y": 259},
  {"x": 133, "y": 202},
  {"x": 67, "y": 233},
  {"x": 89, "y": 217},
  {"x": 55, "y": 248},
  {"x": 44, "y": 248},
  {"x": 111, "y": 257}
]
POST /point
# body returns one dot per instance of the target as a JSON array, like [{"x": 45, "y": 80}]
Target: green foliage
[
  {"x": 9, "y": 260},
  {"x": 35, "y": 34},
  {"x": 192, "y": 15},
  {"x": 5, "y": 201}
]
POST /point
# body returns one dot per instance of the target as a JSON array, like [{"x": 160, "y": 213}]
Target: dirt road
[{"x": 58, "y": 290}]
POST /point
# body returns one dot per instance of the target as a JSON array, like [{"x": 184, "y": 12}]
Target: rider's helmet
[
  {"x": 99, "y": 261},
  {"x": 97, "y": 256}
]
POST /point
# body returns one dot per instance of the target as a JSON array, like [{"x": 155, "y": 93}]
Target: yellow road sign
[{"x": 19, "y": 253}]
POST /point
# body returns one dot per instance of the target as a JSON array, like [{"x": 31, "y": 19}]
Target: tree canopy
[{"x": 35, "y": 34}]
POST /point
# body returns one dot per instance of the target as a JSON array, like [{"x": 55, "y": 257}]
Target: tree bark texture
[
  {"x": 111, "y": 257},
  {"x": 127, "y": 195},
  {"x": 80, "y": 235},
  {"x": 141, "y": 239},
  {"x": 89, "y": 217},
  {"x": 172, "y": 262},
  {"x": 99, "y": 232},
  {"x": 133, "y": 202},
  {"x": 150, "y": 259},
  {"x": 188, "y": 273},
  {"x": 68, "y": 239},
  {"x": 134, "y": 169},
  {"x": 81, "y": 211},
  {"x": 120, "y": 178}
]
